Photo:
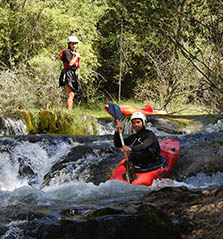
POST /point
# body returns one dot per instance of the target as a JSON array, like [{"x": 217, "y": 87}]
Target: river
[{"x": 35, "y": 173}]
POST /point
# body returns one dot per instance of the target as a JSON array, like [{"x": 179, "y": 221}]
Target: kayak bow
[{"x": 170, "y": 150}]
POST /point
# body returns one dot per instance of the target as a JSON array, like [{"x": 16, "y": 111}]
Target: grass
[
  {"x": 81, "y": 120},
  {"x": 97, "y": 110}
]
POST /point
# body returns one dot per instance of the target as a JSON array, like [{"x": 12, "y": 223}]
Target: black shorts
[{"x": 70, "y": 78}]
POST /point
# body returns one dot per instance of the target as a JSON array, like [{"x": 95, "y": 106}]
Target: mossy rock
[
  {"x": 27, "y": 116},
  {"x": 57, "y": 122}
]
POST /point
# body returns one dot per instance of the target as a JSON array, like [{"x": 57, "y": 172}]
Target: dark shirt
[
  {"x": 144, "y": 145},
  {"x": 67, "y": 57}
]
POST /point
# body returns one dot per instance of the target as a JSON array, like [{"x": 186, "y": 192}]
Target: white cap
[
  {"x": 72, "y": 39},
  {"x": 139, "y": 115}
]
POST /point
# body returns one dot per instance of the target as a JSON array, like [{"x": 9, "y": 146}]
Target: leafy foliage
[
  {"x": 157, "y": 51},
  {"x": 31, "y": 37},
  {"x": 173, "y": 50}
]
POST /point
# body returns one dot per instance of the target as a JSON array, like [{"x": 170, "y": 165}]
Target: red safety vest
[{"x": 65, "y": 64}]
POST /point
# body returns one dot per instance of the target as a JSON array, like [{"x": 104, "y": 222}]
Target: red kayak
[
  {"x": 170, "y": 150},
  {"x": 147, "y": 110}
]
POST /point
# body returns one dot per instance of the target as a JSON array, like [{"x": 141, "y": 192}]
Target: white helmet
[
  {"x": 72, "y": 39},
  {"x": 139, "y": 115}
]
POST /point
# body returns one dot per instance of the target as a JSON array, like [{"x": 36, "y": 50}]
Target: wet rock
[
  {"x": 166, "y": 126},
  {"x": 199, "y": 153},
  {"x": 77, "y": 152},
  {"x": 198, "y": 212},
  {"x": 168, "y": 213},
  {"x": 106, "y": 223},
  {"x": 207, "y": 165},
  {"x": 106, "y": 211},
  {"x": 78, "y": 157},
  {"x": 3, "y": 229},
  {"x": 80, "y": 151},
  {"x": 25, "y": 170},
  {"x": 220, "y": 152}
]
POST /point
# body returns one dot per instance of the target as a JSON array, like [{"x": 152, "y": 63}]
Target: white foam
[
  {"x": 81, "y": 191},
  {"x": 32, "y": 155}
]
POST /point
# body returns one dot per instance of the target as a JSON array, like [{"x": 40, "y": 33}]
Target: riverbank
[{"x": 84, "y": 120}]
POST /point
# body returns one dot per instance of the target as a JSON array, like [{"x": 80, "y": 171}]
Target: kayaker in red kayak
[{"x": 143, "y": 145}]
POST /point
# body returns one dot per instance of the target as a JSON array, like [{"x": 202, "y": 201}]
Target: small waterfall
[
  {"x": 24, "y": 163},
  {"x": 105, "y": 127},
  {"x": 12, "y": 124}
]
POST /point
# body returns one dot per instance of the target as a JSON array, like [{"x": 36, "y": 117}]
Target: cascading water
[
  {"x": 12, "y": 125},
  {"x": 60, "y": 171}
]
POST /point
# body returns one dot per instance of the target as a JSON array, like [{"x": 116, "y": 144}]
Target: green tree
[
  {"x": 131, "y": 22},
  {"x": 170, "y": 47},
  {"x": 31, "y": 37}
]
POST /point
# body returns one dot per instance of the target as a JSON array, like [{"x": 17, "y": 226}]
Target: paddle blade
[
  {"x": 130, "y": 171},
  {"x": 115, "y": 111}
]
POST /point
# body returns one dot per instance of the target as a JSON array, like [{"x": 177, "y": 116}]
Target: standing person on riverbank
[
  {"x": 143, "y": 145},
  {"x": 68, "y": 76}
]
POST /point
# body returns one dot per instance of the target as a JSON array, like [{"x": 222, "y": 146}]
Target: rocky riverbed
[
  {"x": 197, "y": 214},
  {"x": 58, "y": 187},
  {"x": 172, "y": 212}
]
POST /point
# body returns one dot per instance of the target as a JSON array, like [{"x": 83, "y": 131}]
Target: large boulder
[{"x": 106, "y": 223}]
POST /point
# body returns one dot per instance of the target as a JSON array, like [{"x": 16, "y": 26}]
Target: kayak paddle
[{"x": 116, "y": 112}]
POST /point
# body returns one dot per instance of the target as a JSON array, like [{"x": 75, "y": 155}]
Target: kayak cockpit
[{"x": 139, "y": 169}]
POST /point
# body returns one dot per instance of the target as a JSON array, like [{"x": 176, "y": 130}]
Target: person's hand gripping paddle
[{"x": 116, "y": 112}]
